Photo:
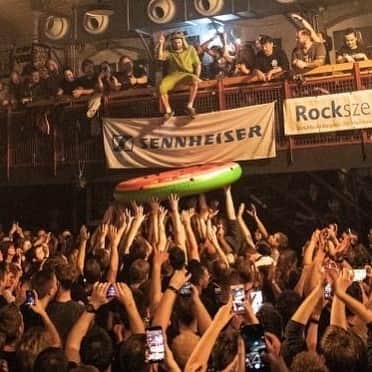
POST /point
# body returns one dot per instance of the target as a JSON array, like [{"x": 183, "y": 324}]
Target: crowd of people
[
  {"x": 89, "y": 302},
  {"x": 185, "y": 64}
]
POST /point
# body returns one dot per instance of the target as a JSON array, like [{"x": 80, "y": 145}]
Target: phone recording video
[
  {"x": 155, "y": 345},
  {"x": 111, "y": 292},
  {"x": 186, "y": 289},
  {"x": 255, "y": 346},
  {"x": 328, "y": 291},
  {"x": 238, "y": 297},
  {"x": 359, "y": 275},
  {"x": 256, "y": 299},
  {"x": 30, "y": 298}
]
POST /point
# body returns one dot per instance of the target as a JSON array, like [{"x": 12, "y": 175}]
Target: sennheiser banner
[
  {"x": 240, "y": 134},
  {"x": 328, "y": 113}
]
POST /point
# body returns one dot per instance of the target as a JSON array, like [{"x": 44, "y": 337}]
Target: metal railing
[{"x": 22, "y": 145}]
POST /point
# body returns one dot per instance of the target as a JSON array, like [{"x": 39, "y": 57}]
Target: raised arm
[
  {"x": 230, "y": 210},
  {"x": 340, "y": 287},
  {"x": 80, "y": 328},
  {"x": 125, "y": 296},
  {"x": 192, "y": 244},
  {"x": 253, "y": 213},
  {"x": 160, "y": 50},
  {"x": 199, "y": 357},
  {"x": 84, "y": 237},
  {"x": 164, "y": 310},
  {"x": 48, "y": 324},
  {"x": 136, "y": 224},
  {"x": 179, "y": 231},
  {"x": 244, "y": 228}
]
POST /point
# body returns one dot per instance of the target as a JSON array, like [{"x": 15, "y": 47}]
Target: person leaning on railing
[
  {"x": 352, "y": 50},
  {"x": 183, "y": 67},
  {"x": 307, "y": 54}
]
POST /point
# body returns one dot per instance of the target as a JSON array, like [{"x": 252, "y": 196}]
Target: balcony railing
[{"x": 22, "y": 145}]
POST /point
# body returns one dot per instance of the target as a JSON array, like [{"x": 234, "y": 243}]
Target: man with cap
[{"x": 183, "y": 67}]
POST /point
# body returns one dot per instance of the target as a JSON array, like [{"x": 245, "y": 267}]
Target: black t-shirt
[
  {"x": 30, "y": 318},
  {"x": 11, "y": 359},
  {"x": 139, "y": 70},
  {"x": 87, "y": 82},
  {"x": 346, "y": 51},
  {"x": 266, "y": 63},
  {"x": 64, "y": 315},
  {"x": 68, "y": 86}
]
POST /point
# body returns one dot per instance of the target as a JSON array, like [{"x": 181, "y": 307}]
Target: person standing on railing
[
  {"x": 184, "y": 67},
  {"x": 271, "y": 62},
  {"x": 307, "y": 54},
  {"x": 352, "y": 50}
]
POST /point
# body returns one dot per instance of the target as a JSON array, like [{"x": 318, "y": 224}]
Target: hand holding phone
[
  {"x": 111, "y": 292},
  {"x": 30, "y": 298},
  {"x": 256, "y": 300},
  {"x": 255, "y": 347},
  {"x": 186, "y": 290},
  {"x": 238, "y": 297},
  {"x": 155, "y": 348}
]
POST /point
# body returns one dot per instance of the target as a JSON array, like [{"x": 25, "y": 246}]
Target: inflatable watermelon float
[{"x": 183, "y": 182}]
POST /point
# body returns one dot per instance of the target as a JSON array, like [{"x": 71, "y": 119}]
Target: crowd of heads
[
  {"x": 261, "y": 60},
  {"x": 88, "y": 302},
  {"x": 49, "y": 80}
]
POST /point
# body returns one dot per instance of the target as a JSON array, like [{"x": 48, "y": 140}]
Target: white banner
[
  {"x": 328, "y": 113},
  {"x": 241, "y": 134}
]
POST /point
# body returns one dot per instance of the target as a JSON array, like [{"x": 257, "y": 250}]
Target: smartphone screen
[
  {"x": 155, "y": 345},
  {"x": 257, "y": 299},
  {"x": 255, "y": 346},
  {"x": 185, "y": 290},
  {"x": 328, "y": 291},
  {"x": 30, "y": 298},
  {"x": 238, "y": 297},
  {"x": 359, "y": 275},
  {"x": 111, "y": 292}
]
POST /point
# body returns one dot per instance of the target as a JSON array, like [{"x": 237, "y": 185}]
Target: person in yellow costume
[{"x": 184, "y": 67}]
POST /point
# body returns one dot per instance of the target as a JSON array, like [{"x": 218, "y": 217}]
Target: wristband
[
  {"x": 175, "y": 290},
  {"x": 315, "y": 321}
]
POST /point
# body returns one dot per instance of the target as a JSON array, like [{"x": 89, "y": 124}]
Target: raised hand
[
  {"x": 162, "y": 213},
  {"x": 84, "y": 234},
  {"x": 173, "y": 202},
  {"x": 154, "y": 204},
  {"x": 241, "y": 210},
  {"x": 253, "y": 211},
  {"x": 179, "y": 278},
  {"x": 113, "y": 234},
  {"x": 99, "y": 295},
  {"x": 161, "y": 38},
  {"x": 186, "y": 215}
]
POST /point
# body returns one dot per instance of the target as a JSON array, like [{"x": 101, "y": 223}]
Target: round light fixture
[{"x": 161, "y": 11}]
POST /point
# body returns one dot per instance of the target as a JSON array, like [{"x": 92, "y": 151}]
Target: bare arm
[
  {"x": 244, "y": 228},
  {"x": 179, "y": 233},
  {"x": 48, "y": 324},
  {"x": 136, "y": 224},
  {"x": 164, "y": 310},
  {"x": 192, "y": 245},
  {"x": 201, "y": 313},
  {"x": 84, "y": 237},
  {"x": 161, "y": 56},
  {"x": 199, "y": 357},
  {"x": 230, "y": 210},
  {"x": 80, "y": 328},
  {"x": 125, "y": 296}
]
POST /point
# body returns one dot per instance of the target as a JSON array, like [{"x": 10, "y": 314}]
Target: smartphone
[
  {"x": 111, "y": 292},
  {"x": 238, "y": 297},
  {"x": 30, "y": 298},
  {"x": 328, "y": 291},
  {"x": 155, "y": 350},
  {"x": 255, "y": 346},
  {"x": 186, "y": 290},
  {"x": 257, "y": 299},
  {"x": 359, "y": 275}
]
